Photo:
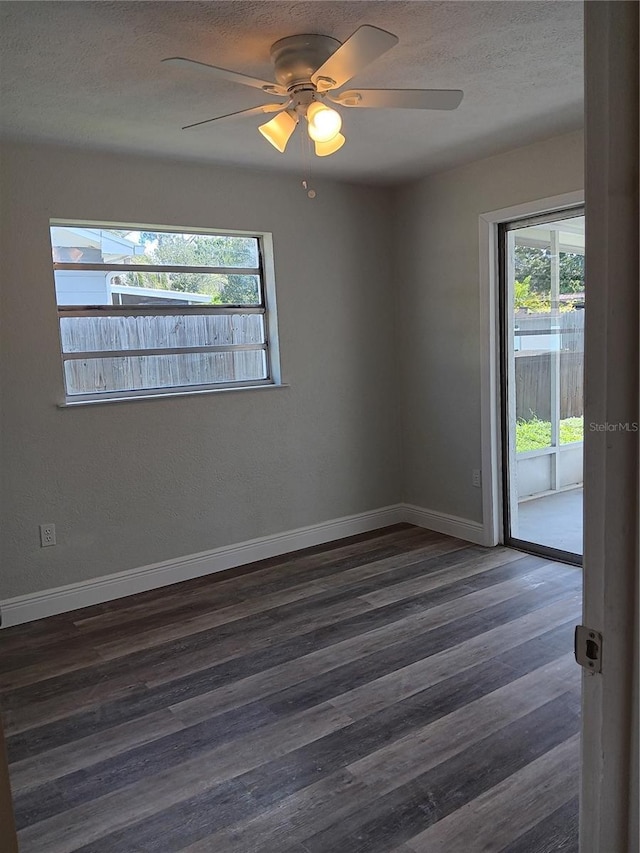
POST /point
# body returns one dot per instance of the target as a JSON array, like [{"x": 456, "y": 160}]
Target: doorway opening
[{"x": 542, "y": 312}]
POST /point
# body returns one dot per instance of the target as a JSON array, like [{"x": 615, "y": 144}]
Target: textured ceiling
[{"x": 89, "y": 73}]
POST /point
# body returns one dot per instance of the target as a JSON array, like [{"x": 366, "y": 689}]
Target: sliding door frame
[
  {"x": 491, "y": 396},
  {"x": 507, "y": 385}
]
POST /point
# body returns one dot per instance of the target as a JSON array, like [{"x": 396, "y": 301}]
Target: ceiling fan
[{"x": 308, "y": 71}]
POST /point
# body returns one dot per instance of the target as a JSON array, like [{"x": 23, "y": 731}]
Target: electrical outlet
[
  {"x": 47, "y": 535},
  {"x": 476, "y": 478}
]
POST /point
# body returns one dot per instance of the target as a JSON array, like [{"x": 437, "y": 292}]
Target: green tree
[
  {"x": 571, "y": 273},
  {"x": 537, "y": 303},
  {"x": 535, "y": 263},
  {"x": 199, "y": 250},
  {"x": 525, "y": 297}
]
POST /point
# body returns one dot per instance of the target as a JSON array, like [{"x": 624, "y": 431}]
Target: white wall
[
  {"x": 129, "y": 484},
  {"x": 436, "y": 258}
]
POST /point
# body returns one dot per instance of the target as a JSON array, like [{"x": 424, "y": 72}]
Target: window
[{"x": 145, "y": 311}]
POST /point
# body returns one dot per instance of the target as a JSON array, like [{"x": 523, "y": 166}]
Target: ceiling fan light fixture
[
  {"x": 323, "y": 123},
  {"x": 311, "y": 71},
  {"x": 323, "y": 149},
  {"x": 278, "y": 131}
]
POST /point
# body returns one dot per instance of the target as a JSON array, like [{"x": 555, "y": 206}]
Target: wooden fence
[
  {"x": 533, "y": 385},
  {"x": 113, "y": 334},
  {"x": 533, "y": 367}
]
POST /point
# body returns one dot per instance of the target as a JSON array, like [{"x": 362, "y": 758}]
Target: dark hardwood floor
[{"x": 398, "y": 691}]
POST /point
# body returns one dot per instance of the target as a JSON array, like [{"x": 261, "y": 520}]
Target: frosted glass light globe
[{"x": 324, "y": 123}]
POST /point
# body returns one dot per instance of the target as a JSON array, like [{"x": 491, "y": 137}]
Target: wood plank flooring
[{"x": 396, "y": 692}]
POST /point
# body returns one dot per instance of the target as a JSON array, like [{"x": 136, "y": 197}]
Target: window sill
[{"x": 74, "y": 404}]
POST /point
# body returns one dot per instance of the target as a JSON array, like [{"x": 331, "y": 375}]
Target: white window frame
[{"x": 267, "y": 307}]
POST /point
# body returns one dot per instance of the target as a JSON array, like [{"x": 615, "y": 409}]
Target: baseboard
[
  {"x": 452, "y": 525},
  {"x": 37, "y": 605}
]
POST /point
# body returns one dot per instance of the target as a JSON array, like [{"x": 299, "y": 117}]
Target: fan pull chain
[
  {"x": 306, "y": 157},
  {"x": 310, "y": 192}
]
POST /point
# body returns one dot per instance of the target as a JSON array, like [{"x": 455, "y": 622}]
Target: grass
[{"x": 535, "y": 434}]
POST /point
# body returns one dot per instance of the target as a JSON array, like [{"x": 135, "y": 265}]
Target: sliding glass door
[{"x": 542, "y": 338}]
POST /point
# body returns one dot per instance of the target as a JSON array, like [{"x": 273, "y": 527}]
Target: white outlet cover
[{"x": 47, "y": 535}]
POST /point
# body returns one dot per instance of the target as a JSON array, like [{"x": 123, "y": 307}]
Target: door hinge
[{"x": 588, "y": 648}]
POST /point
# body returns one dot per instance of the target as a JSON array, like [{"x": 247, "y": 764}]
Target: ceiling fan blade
[
  {"x": 408, "y": 99},
  {"x": 226, "y": 74},
  {"x": 365, "y": 45},
  {"x": 253, "y": 111}
]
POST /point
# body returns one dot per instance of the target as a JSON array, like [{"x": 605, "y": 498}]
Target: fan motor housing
[{"x": 296, "y": 58}]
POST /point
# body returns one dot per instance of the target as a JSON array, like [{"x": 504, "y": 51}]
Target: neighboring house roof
[
  {"x": 153, "y": 293},
  {"x": 112, "y": 248}
]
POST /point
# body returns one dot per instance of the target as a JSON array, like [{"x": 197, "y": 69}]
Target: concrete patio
[{"x": 554, "y": 520}]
